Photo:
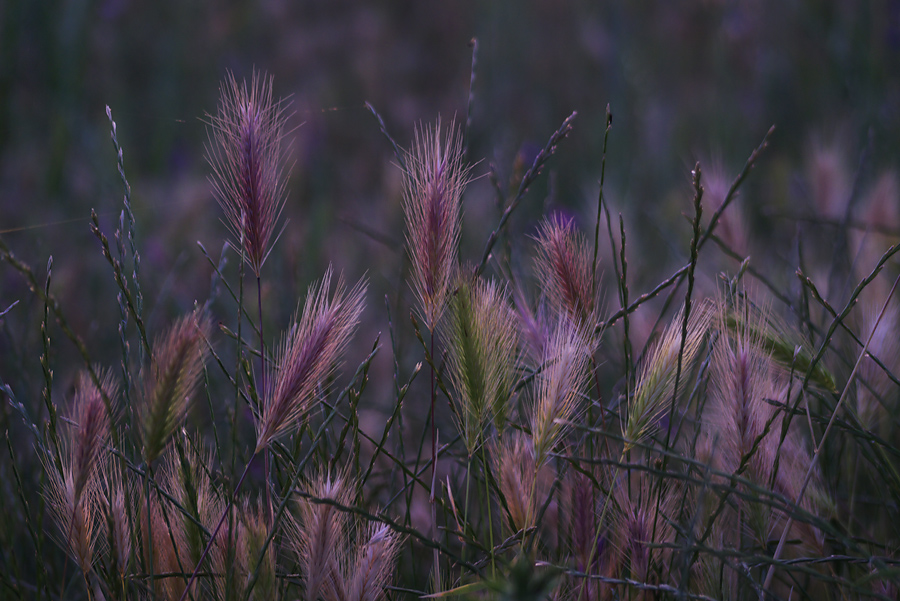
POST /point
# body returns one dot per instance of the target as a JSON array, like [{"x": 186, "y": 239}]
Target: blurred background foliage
[{"x": 686, "y": 81}]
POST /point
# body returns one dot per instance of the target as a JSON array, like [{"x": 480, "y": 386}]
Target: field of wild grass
[{"x": 490, "y": 376}]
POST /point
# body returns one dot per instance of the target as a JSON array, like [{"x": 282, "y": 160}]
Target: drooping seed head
[
  {"x": 783, "y": 343},
  {"x": 307, "y": 355},
  {"x": 178, "y": 361},
  {"x": 248, "y": 157},
  {"x": 434, "y": 182}
]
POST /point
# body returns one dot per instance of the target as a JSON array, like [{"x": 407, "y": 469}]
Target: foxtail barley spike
[
  {"x": 657, "y": 379},
  {"x": 93, "y": 426},
  {"x": 516, "y": 473},
  {"x": 563, "y": 265},
  {"x": 113, "y": 495},
  {"x": 74, "y": 515},
  {"x": 307, "y": 356},
  {"x": 482, "y": 341},
  {"x": 375, "y": 561},
  {"x": 564, "y": 373},
  {"x": 319, "y": 537},
  {"x": 73, "y": 490},
  {"x": 435, "y": 179},
  {"x": 248, "y": 157},
  {"x": 179, "y": 357}
]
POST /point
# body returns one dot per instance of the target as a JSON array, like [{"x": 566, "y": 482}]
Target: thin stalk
[
  {"x": 437, "y": 555},
  {"x": 688, "y": 304},
  {"x": 262, "y": 389},
  {"x": 815, "y": 457},
  {"x": 434, "y": 526},
  {"x": 150, "y": 570},
  {"x": 487, "y": 507},
  {"x": 592, "y": 556},
  {"x": 466, "y": 500},
  {"x": 229, "y": 576},
  {"x": 600, "y": 195}
]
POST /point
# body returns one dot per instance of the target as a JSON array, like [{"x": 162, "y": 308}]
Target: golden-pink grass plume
[
  {"x": 179, "y": 357},
  {"x": 248, "y": 159},
  {"x": 307, "y": 356},
  {"x": 436, "y": 176}
]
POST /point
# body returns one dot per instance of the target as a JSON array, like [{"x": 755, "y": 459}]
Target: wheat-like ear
[
  {"x": 74, "y": 514},
  {"x": 643, "y": 527},
  {"x": 113, "y": 496},
  {"x": 375, "y": 561},
  {"x": 743, "y": 381},
  {"x": 163, "y": 534},
  {"x": 742, "y": 418},
  {"x": 563, "y": 266},
  {"x": 308, "y": 355},
  {"x": 320, "y": 537},
  {"x": 516, "y": 470},
  {"x": 92, "y": 426},
  {"x": 481, "y": 338},
  {"x": 248, "y": 160},
  {"x": 656, "y": 383},
  {"x": 435, "y": 179},
  {"x": 254, "y": 532},
  {"x": 564, "y": 372},
  {"x": 178, "y": 360},
  {"x": 187, "y": 479},
  {"x": 73, "y": 486}
]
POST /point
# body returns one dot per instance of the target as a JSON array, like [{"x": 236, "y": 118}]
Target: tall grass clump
[{"x": 717, "y": 434}]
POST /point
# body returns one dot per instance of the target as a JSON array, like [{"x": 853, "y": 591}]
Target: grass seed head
[
  {"x": 73, "y": 488},
  {"x": 74, "y": 515},
  {"x": 482, "y": 341},
  {"x": 114, "y": 494},
  {"x": 179, "y": 358},
  {"x": 516, "y": 471},
  {"x": 92, "y": 426},
  {"x": 743, "y": 420},
  {"x": 254, "y": 532},
  {"x": 320, "y": 538},
  {"x": 563, "y": 266},
  {"x": 643, "y": 525},
  {"x": 656, "y": 383},
  {"x": 307, "y": 355},
  {"x": 435, "y": 179},
  {"x": 376, "y": 558},
  {"x": 564, "y": 372},
  {"x": 248, "y": 157}
]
